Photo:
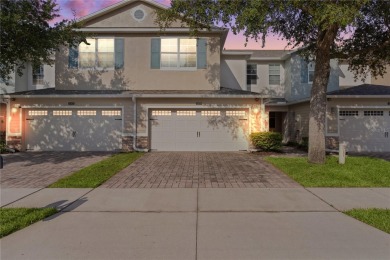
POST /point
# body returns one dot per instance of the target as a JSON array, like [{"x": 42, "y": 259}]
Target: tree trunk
[{"x": 318, "y": 96}]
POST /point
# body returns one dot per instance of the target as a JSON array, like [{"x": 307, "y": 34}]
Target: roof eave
[{"x": 358, "y": 96}]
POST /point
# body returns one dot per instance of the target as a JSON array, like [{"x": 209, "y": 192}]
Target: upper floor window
[
  {"x": 100, "y": 53},
  {"x": 274, "y": 74},
  {"x": 251, "y": 74},
  {"x": 310, "y": 71},
  {"x": 38, "y": 76},
  {"x": 178, "y": 53}
]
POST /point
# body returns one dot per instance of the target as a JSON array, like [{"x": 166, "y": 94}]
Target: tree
[
  {"x": 26, "y": 35},
  {"x": 355, "y": 31}
]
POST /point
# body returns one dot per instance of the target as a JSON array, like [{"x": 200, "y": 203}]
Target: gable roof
[
  {"x": 116, "y": 6},
  {"x": 363, "y": 90}
]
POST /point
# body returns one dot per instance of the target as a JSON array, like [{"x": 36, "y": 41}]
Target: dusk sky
[{"x": 85, "y": 7}]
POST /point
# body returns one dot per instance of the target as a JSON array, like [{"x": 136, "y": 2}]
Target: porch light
[
  {"x": 14, "y": 110},
  {"x": 256, "y": 110}
]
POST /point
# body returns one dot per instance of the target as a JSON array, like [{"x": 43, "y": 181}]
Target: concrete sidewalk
[{"x": 287, "y": 223}]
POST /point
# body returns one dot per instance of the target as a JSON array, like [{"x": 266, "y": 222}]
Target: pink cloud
[
  {"x": 165, "y": 2},
  {"x": 79, "y": 7}
]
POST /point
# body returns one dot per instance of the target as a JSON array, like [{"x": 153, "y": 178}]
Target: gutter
[
  {"x": 135, "y": 148},
  {"x": 358, "y": 96},
  {"x": 138, "y": 95}
]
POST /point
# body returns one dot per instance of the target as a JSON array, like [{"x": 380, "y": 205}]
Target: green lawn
[
  {"x": 379, "y": 218},
  {"x": 356, "y": 172},
  {"x": 13, "y": 219},
  {"x": 94, "y": 175}
]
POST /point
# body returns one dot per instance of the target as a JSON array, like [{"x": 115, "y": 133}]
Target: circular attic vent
[{"x": 139, "y": 14}]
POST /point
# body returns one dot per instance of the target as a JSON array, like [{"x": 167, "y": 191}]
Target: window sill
[
  {"x": 97, "y": 69},
  {"x": 179, "y": 69}
]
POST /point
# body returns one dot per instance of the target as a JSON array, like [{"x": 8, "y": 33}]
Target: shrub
[
  {"x": 3, "y": 147},
  {"x": 304, "y": 144},
  {"x": 267, "y": 141}
]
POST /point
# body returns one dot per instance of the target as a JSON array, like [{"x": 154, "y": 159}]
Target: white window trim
[
  {"x": 308, "y": 72},
  {"x": 96, "y": 52},
  {"x": 43, "y": 77},
  {"x": 178, "y": 68},
  {"x": 269, "y": 69},
  {"x": 246, "y": 72}
]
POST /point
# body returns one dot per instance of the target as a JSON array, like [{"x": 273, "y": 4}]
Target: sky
[{"x": 85, "y": 7}]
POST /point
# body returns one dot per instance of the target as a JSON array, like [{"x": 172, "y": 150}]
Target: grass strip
[
  {"x": 94, "y": 175},
  {"x": 356, "y": 172},
  {"x": 14, "y": 219},
  {"x": 378, "y": 218}
]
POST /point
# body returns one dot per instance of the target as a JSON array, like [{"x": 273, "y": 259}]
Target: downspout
[{"x": 135, "y": 148}]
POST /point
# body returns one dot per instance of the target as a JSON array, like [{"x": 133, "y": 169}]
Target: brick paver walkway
[
  {"x": 200, "y": 169},
  {"x": 40, "y": 169}
]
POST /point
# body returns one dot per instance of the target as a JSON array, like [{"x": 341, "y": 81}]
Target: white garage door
[
  {"x": 365, "y": 129},
  {"x": 199, "y": 130},
  {"x": 73, "y": 129}
]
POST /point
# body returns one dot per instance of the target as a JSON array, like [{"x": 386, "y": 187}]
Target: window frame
[
  {"x": 38, "y": 81},
  {"x": 247, "y": 74},
  {"x": 269, "y": 74},
  {"x": 96, "y": 67},
  {"x": 178, "y": 53},
  {"x": 309, "y": 71}
]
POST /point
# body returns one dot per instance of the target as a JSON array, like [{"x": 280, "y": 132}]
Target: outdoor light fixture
[
  {"x": 255, "y": 110},
  {"x": 14, "y": 110}
]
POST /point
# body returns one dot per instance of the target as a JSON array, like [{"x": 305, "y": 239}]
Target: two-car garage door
[
  {"x": 73, "y": 129},
  {"x": 365, "y": 129},
  {"x": 199, "y": 130}
]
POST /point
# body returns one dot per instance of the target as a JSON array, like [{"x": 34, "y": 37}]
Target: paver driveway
[
  {"x": 200, "y": 170},
  {"x": 40, "y": 169}
]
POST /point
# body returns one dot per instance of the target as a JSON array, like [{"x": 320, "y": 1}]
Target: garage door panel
[
  {"x": 204, "y": 130},
  {"x": 70, "y": 130},
  {"x": 366, "y": 130}
]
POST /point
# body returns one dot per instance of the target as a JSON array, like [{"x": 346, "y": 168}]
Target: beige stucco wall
[
  {"x": 233, "y": 75},
  {"x": 137, "y": 73},
  {"x": 233, "y": 72},
  {"x": 263, "y": 86},
  {"x": 346, "y": 78},
  {"x": 385, "y": 80},
  {"x": 25, "y": 81}
]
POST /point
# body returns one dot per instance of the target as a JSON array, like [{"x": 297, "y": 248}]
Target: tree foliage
[
  {"x": 27, "y": 36},
  {"x": 357, "y": 32},
  {"x": 363, "y": 26}
]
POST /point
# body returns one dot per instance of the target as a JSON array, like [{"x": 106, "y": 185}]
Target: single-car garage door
[
  {"x": 73, "y": 129},
  {"x": 199, "y": 130},
  {"x": 365, "y": 129}
]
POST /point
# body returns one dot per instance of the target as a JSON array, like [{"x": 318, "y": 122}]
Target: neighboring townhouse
[
  {"x": 136, "y": 87},
  {"x": 358, "y": 112},
  {"x": 42, "y": 77}
]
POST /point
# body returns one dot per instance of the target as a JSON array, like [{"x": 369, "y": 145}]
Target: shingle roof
[
  {"x": 362, "y": 90},
  {"x": 53, "y": 91}
]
